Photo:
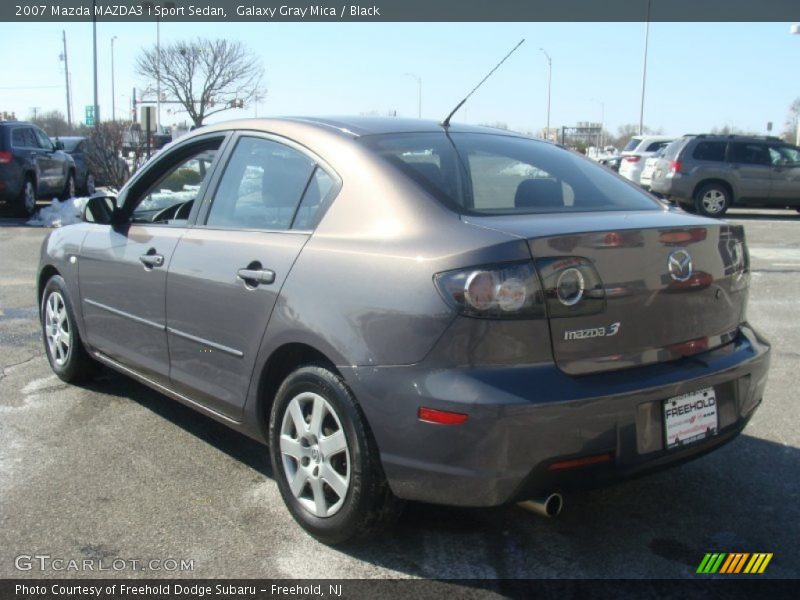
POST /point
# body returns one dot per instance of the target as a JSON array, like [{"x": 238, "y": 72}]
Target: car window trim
[{"x": 211, "y": 191}]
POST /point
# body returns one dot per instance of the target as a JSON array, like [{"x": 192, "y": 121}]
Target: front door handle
[
  {"x": 152, "y": 260},
  {"x": 254, "y": 277}
]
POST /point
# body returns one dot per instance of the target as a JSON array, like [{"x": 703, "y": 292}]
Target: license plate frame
[{"x": 690, "y": 417}]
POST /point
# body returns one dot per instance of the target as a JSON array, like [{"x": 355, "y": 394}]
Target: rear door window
[
  {"x": 750, "y": 154},
  {"x": 23, "y": 137},
  {"x": 261, "y": 187},
  {"x": 712, "y": 151}
]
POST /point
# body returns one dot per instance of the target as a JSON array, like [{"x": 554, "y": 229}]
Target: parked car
[
  {"x": 649, "y": 167},
  {"x": 612, "y": 162},
  {"x": 399, "y": 312},
  {"x": 31, "y": 167},
  {"x": 639, "y": 148},
  {"x": 710, "y": 173},
  {"x": 83, "y": 152}
]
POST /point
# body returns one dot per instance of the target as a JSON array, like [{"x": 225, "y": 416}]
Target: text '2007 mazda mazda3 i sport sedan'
[{"x": 406, "y": 311}]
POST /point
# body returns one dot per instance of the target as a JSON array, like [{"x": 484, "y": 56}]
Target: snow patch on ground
[{"x": 59, "y": 213}]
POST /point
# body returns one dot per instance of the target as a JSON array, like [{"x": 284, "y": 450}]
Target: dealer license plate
[{"x": 690, "y": 417}]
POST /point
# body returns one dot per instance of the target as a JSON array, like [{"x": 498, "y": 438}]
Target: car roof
[{"x": 355, "y": 127}]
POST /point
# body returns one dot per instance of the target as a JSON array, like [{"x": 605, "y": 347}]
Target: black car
[
  {"x": 31, "y": 167},
  {"x": 94, "y": 167}
]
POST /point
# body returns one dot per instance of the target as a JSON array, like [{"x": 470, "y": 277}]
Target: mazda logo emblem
[{"x": 679, "y": 265}]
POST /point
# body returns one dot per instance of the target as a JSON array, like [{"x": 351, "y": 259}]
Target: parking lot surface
[{"x": 114, "y": 470}]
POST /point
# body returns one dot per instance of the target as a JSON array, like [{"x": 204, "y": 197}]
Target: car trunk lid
[{"x": 658, "y": 286}]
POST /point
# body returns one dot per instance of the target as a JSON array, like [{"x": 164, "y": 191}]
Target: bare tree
[
  {"x": 54, "y": 123},
  {"x": 791, "y": 125},
  {"x": 104, "y": 152},
  {"x": 205, "y": 76}
]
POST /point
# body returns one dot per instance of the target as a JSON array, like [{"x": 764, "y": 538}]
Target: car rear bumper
[
  {"x": 675, "y": 187},
  {"x": 524, "y": 419},
  {"x": 10, "y": 183}
]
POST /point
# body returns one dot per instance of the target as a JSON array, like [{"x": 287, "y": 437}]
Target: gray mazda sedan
[{"x": 403, "y": 310}]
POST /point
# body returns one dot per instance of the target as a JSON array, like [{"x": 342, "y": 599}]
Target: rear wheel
[
  {"x": 65, "y": 352},
  {"x": 712, "y": 200},
  {"x": 90, "y": 185},
  {"x": 69, "y": 187},
  {"x": 325, "y": 461},
  {"x": 27, "y": 198}
]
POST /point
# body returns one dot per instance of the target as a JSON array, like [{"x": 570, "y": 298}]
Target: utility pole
[
  {"x": 644, "y": 67},
  {"x": 66, "y": 77},
  {"x": 419, "y": 93},
  {"x": 113, "y": 97},
  {"x": 549, "y": 81},
  {"x": 158, "y": 75},
  {"x": 94, "y": 54}
]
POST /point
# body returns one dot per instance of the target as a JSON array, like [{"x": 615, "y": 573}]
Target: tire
[
  {"x": 89, "y": 186},
  {"x": 26, "y": 205},
  {"x": 712, "y": 200},
  {"x": 62, "y": 343},
  {"x": 357, "y": 502},
  {"x": 69, "y": 187}
]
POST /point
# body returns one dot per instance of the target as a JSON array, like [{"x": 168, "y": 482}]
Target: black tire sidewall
[{"x": 348, "y": 520}]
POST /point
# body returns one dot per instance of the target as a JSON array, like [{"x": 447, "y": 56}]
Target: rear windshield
[{"x": 488, "y": 174}]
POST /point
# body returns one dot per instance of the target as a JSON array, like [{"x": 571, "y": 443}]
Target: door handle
[
  {"x": 256, "y": 276},
  {"x": 152, "y": 260}
]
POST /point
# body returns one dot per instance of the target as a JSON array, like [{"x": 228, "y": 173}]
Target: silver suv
[{"x": 710, "y": 173}]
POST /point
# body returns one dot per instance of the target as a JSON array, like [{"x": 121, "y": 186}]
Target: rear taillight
[
  {"x": 632, "y": 159},
  {"x": 675, "y": 166},
  {"x": 5, "y": 158},
  {"x": 572, "y": 286},
  {"x": 505, "y": 291}
]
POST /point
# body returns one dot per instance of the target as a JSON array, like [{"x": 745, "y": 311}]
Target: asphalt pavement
[{"x": 116, "y": 472}]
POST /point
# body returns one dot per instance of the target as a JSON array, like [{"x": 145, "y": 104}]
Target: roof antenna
[{"x": 446, "y": 122}]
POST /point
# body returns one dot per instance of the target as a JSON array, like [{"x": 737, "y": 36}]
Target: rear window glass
[
  {"x": 654, "y": 146},
  {"x": 710, "y": 151},
  {"x": 631, "y": 145},
  {"x": 502, "y": 175}
]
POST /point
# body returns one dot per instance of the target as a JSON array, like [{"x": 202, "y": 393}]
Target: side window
[
  {"x": 653, "y": 147},
  {"x": 714, "y": 151},
  {"x": 784, "y": 155},
  {"x": 169, "y": 201},
  {"x": 317, "y": 191},
  {"x": 42, "y": 140},
  {"x": 23, "y": 137},
  {"x": 750, "y": 154},
  {"x": 261, "y": 187}
]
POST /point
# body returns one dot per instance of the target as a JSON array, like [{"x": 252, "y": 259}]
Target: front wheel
[
  {"x": 712, "y": 200},
  {"x": 90, "y": 184},
  {"x": 325, "y": 461},
  {"x": 62, "y": 342}
]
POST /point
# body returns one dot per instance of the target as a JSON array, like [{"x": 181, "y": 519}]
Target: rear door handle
[
  {"x": 152, "y": 260},
  {"x": 256, "y": 276}
]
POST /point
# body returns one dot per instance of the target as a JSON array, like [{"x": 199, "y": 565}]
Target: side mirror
[
  {"x": 59, "y": 145},
  {"x": 100, "y": 209}
]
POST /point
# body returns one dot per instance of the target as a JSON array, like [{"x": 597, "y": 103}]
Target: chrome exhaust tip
[{"x": 549, "y": 505}]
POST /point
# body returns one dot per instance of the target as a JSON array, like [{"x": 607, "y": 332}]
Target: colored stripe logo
[{"x": 734, "y": 563}]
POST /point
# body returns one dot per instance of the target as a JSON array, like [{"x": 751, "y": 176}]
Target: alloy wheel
[
  {"x": 713, "y": 201},
  {"x": 314, "y": 454},
  {"x": 57, "y": 329}
]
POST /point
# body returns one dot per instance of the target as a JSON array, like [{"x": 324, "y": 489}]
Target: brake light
[
  {"x": 441, "y": 417},
  {"x": 675, "y": 166},
  {"x": 632, "y": 159},
  {"x": 494, "y": 291},
  {"x": 5, "y": 158}
]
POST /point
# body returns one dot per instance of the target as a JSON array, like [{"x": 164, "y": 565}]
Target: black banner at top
[{"x": 398, "y": 10}]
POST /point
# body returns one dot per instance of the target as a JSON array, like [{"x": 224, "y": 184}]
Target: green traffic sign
[{"x": 89, "y": 115}]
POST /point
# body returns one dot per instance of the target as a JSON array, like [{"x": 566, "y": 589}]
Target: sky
[{"x": 699, "y": 75}]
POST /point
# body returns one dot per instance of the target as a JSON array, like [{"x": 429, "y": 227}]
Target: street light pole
[
  {"x": 419, "y": 98},
  {"x": 795, "y": 30},
  {"x": 158, "y": 75},
  {"x": 96, "y": 109},
  {"x": 66, "y": 78},
  {"x": 644, "y": 67},
  {"x": 549, "y": 81},
  {"x": 113, "y": 95}
]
